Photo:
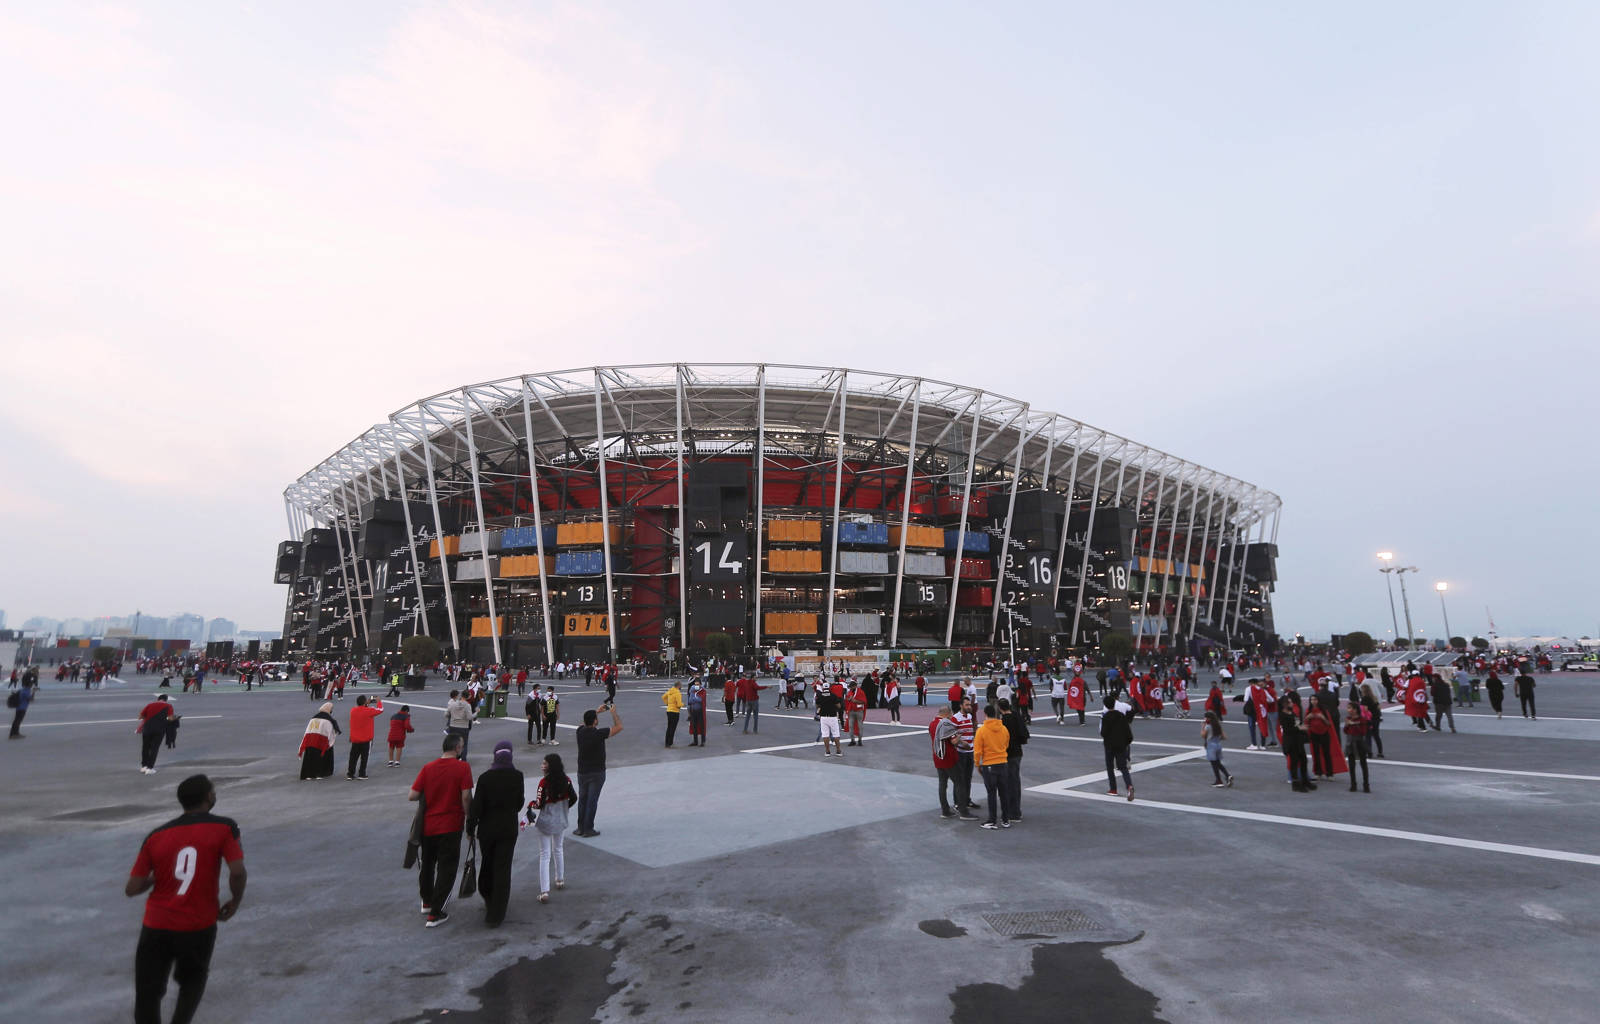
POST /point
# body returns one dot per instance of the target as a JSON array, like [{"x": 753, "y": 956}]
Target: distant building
[
  {"x": 40, "y": 624},
  {"x": 188, "y": 626},
  {"x": 221, "y": 629}
]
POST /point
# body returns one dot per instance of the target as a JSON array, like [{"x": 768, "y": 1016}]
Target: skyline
[{"x": 1347, "y": 255}]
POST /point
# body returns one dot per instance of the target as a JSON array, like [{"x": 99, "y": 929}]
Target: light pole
[
  {"x": 1387, "y": 557},
  {"x": 1405, "y": 602},
  {"x": 1441, "y": 587}
]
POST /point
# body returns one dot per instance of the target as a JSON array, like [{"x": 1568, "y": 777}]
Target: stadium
[{"x": 626, "y": 511}]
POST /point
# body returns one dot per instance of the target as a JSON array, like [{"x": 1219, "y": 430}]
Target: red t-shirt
[
  {"x": 441, "y": 783},
  {"x": 361, "y": 718},
  {"x": 186, "y": 856}
]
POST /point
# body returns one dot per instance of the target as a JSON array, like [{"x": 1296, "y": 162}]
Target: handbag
[{"x": 469, "y": 874}]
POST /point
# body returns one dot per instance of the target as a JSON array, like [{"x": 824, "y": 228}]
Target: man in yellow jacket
[
  {"x": 673, "y": 699},
  {"x": 989, "y": 745}
]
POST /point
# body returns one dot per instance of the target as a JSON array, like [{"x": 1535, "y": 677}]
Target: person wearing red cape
[
  {"x": 1415, "y": 695},
  {"x": 1077, "y": 696}
]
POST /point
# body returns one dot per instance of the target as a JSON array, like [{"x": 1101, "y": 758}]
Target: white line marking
[
  {"x": 816, "y": 743},
  {"x": 1064, "y": 785},
  {"x": 1365, "y": 830},
  {"x": 112, "y": 721}
]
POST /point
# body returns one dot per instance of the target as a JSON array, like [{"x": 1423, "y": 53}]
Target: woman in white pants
[{"x": 554, "y": 797}]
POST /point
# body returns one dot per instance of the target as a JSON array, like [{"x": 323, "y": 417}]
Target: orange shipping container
[
  {"x": 918, "y": 537},
  {"x": 791, "y": 624},
  {"x": 804, "y": 560},
  {"x": 525, "y": 565},
  {"x": 794, "y": 531},
  {"x": 587, "y": 534},
  {"x": 452, "y": 546},
  {"x": 480, "y": 627}
]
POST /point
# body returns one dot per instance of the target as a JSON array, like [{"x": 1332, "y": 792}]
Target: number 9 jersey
[{"x": 186, "y": 856}]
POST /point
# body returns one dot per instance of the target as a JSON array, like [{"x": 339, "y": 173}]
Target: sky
[{"x": 1348, "y": 253}]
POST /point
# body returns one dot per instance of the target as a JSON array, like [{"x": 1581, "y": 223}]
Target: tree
[
  {"x": 1458, "y": 643},
  {"x": 1359, "y": 643},
  {"x": 1117, "y": 647},
  {"x": 419, "y": 650},
  {"x": 1402, "y": 643},
  {"x": 1480, "y": 644},
  {"x": 105, "y": 655},
  {"x": 720, "y": 646}
]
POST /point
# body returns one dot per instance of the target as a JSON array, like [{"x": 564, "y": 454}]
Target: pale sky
[{"x": 1345, "y": 252}]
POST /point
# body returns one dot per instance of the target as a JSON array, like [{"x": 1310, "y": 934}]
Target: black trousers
[
  {"x": 1528, "y": 707},
  {"x": 1356, "y": 750},
  {"x": 16, "y": 721},
  {"x": 494, "y": 875},
  {"x": 358, "y": 759},
  {"x": 534, "y": 731},
  {"x": 149, "y": 747},
  {"x": 728, "y": 704},
  {"x": 944, "y": 788},
  {"x": 1012, "y": 788},
  {"x": 994, "y": 777},
  {"x": 549, "y": 732},
  {"x": 440, "y": 855},
  {"x": 1295, "y": 751},
  {"x": 963, "y": 778},
  {"x": 1117, "y": 761},
  {"x": 1322, "y": 753},
  {"x": 185, "y": 957},
  {"x": 672, "y": 726}
]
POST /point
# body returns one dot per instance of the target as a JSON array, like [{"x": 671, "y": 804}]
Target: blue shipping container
[
  {"x": 864, "y": 533},
  {"x": 580, "y": 563},
  {"x": 976, "y": 541},
  {"x": 527, "y": 538}
]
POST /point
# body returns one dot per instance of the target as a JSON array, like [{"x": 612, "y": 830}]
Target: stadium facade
[{"x": 637, "y": 509}]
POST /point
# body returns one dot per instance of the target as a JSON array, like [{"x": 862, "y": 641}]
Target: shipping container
[
  {"x": 526, "y": 538},
  {"x": 512, "y": 566},
  {"x": 590, "y": 533},
  {"x": 475, "y": 568},
  {"x": 971, "y": 568},
  {"x": 794, "y": 531},
  {"x": 864, "y": 562},
  {"x": 950, "y": 506},
  {"x": 580, "y": 563},
  {"x": 790, "y": 624},
  {"x": 481, "y": 626},
  {"x": 452, "y": 546},
  {"x": 800, "y": 560},
  {"x": 924, "y": 565},
  {"x": 857, "y": 623},
  {"x": 863, "y": 534},
  {"x": 476, "y": 543},
  {"x": 975, "y": 597},
  {"x": 918, "y": 537},
  {"x": 975, "y": 541}
]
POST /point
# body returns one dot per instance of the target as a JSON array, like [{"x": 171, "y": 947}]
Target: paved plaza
[{"x": 756, "y": 880}]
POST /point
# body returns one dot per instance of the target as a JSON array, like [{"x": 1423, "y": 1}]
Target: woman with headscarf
[
  {"x": 551, "y": 801},
  {"x": 316, "y": 746},
  {"x": 492, "y": 820}
]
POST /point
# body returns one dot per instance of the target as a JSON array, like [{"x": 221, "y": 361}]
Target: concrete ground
[{"x": 756, "y": 879}]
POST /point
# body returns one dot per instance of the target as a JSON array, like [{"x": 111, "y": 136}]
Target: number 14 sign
[{"x": 720, "y": 559}]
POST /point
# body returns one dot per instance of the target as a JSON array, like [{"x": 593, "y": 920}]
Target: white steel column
[
  {"x": 605, "y": 514},
  {"x": 1205, "y": 580},
  {"x": 411, "y": 544},
  {"x": 438, "y": 532},
  {"x": 1233, "y": 559},
  {"x": 838, "y": 491},
  {"x": 538, "y": 529},
  {"x": 483, "y": 538},
  {"x": 1188, "y": 546},
  {"x": 288, "y": 517},
  {"x": 1216, "y": 566},
  {"x": 343, "y": 576},
  {"x": 1023, "y": 437},
  {"x": 961, "y": 531},
  {"x": 1166, "y": 574},
  {"x": 1238, "y": 603},
  {"x": 355, "y": 563},
  {"x": 1150, "y": 557},
  {"x": 1088, "y": 545},
  {"x": 683, "y": 532},
  {"x": 905, "y": 513},
  {"x": 1066, "y": 518},
  {"x": 761, "y": 494}
]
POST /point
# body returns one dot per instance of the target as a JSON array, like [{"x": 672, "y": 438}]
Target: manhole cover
[
  {"x": 1042, "y": 922},
  {"x": 118, "y": 812}
]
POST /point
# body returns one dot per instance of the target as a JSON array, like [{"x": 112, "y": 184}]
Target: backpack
[{"x": 13, "y": 700}]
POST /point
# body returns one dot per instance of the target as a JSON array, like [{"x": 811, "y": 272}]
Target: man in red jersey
[
  {"x": 361, "y": 732},
  {"x": 155, "y": 718},
  {"x": 180, "y": 865},
  {"x": 445, "y": 787}
]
